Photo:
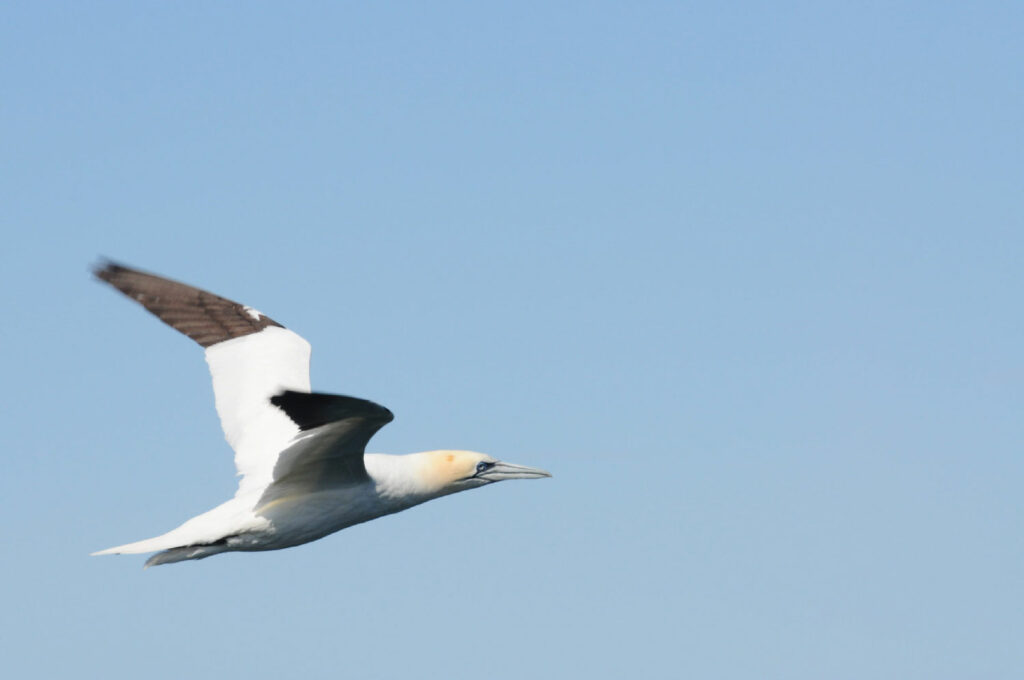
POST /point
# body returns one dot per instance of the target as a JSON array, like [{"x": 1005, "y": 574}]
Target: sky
[{"x": 745, "y": 277}]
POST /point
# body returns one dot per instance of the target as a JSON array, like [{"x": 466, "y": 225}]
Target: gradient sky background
[{"x": 746, "y": 279}]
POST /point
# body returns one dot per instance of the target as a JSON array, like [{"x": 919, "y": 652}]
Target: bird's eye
[{"x": 483, "y": 465}]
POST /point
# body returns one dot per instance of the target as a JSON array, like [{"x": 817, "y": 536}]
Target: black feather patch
[
  {"x": 206, "y": 318},
  {"x": 310, "y": 409}
]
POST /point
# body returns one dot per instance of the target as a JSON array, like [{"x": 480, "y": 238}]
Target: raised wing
[
  {"x": 206, "y": 318},
  {"x": 329, "y": 449},
  {"x": 251, "y": 359}
]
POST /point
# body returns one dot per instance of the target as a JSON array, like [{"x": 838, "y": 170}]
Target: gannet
[{"x": 300, "y": 455}]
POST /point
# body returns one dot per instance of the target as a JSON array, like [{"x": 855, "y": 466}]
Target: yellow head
[{"x": 444, "y": 472}]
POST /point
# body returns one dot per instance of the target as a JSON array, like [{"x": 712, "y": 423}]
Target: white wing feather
[{"x": 247, "y": 371}]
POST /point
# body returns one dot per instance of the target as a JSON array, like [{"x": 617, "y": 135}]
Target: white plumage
[
  {"x": 301, "y": 456},
  {"x": 247, "y": 371}
]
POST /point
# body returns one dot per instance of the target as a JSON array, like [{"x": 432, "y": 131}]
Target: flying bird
[{"x": 300, "y": 455}]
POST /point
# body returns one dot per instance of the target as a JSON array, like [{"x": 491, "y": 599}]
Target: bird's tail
[
  {"x": 147, "y": 545},
  {"x": 169, "y": 552},
  {"x": 185, "y": 552},
  {"x": 175, "y": 544},
  {"x": 199, "y": 537}
]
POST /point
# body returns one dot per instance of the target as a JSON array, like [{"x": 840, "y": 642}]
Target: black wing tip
[
  {"x": 104, "y": 268},
  {"x": 108, "y": 269},
  {"x": 205, "y": 317},
  {"x": 309, "y": 410}
]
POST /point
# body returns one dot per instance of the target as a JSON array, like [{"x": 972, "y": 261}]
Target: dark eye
[{"x": 483, "y": 465}]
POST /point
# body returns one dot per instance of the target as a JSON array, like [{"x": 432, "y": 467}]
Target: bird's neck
[{"x": 405, "y": 480}]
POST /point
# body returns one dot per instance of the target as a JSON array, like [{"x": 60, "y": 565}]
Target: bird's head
[{"x": 450, "y": 471}]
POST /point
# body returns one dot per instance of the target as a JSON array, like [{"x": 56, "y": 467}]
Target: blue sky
[{"x": 746, "y": 279}]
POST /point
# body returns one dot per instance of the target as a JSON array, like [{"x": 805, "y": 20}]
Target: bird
[{"x": 300, "y": 455}]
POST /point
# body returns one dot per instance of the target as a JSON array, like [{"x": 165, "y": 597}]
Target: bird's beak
[{"x": 502, "y": 471}]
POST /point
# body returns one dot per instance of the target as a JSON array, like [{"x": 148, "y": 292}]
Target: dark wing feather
[
  {"x": 329, "y": 449},
  {"x": 202, "y": 316}
]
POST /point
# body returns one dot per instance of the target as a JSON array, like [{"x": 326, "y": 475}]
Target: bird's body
[{"x": 304, "y": 472}]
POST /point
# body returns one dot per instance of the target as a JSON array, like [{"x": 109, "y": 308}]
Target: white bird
[{"x": 300, "y": 455}]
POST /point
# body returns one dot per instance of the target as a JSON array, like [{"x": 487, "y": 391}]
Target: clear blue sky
[{"x": 746, "y": 279}]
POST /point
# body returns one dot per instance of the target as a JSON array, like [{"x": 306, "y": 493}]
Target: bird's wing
[
  {"x": 328, "y": 452},
  {"x": 251, "y": 358}
]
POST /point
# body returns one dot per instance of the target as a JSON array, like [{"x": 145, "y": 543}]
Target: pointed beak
[{"x": 502, "y": 471}]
